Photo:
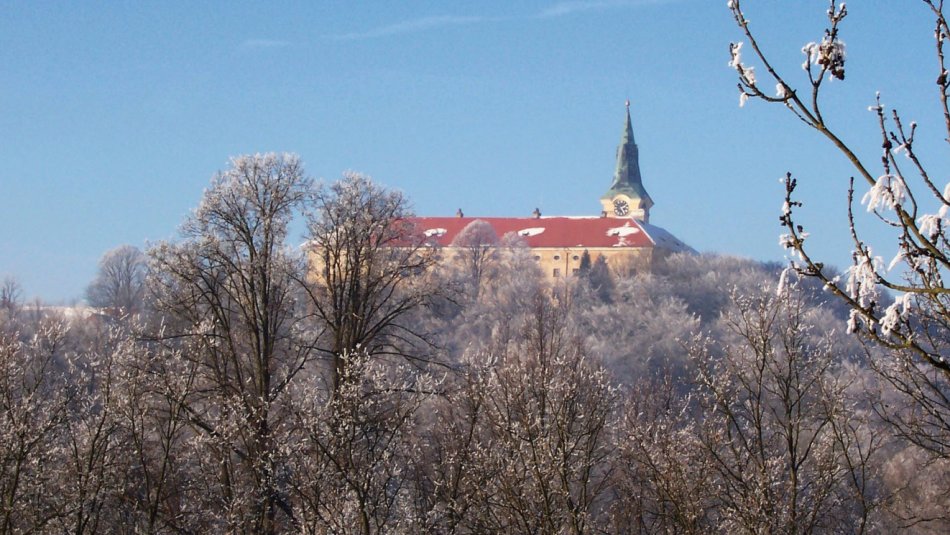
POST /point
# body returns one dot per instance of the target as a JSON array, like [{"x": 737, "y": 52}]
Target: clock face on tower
[{"x": 621, "y": 207}]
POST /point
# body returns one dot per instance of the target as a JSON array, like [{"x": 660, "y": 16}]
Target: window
[
  {"x": 575, "y": 258},
  {"x": 557, "y": 272},
  {"x": 576, "y": 271},
  {"x": 557, "y": 257},
  {"x": 537, "y": 257}
]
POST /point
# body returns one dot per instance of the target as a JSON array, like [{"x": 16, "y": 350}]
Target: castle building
[{"x": 622, "y": 233}]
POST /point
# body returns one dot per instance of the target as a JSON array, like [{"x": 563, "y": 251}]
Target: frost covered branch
[{"x": 901, "y": 305}]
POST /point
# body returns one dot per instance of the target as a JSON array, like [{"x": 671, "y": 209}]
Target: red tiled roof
[{"x": 544, "y": 231}]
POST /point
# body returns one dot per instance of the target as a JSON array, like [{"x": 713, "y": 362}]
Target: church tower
[{"x": 626, "y": 197}]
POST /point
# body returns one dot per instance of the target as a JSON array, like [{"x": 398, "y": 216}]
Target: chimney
[{"x": 536, "y": 213}]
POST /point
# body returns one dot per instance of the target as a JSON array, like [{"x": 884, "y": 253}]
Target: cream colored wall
[{"x": 622, "y": 261}]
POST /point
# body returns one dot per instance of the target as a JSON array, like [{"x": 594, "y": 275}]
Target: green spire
[{"x": 627, "y": 174}]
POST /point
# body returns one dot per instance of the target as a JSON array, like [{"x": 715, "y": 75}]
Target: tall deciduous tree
[
  {"x": 370, "y": 269},
  {"x": 664, "y": 482},
  {"x": 33, "y": 407},
  {"x": 10, "y": 295},
  {"x": 120, "y": 282},
  {"x": 227, "y": 290},
  {"x": 476, "y": 244},
  {"x": 790, "y": 452},
  {"x": 352, "y": 468},
  {"x": 522, "y": 445}
]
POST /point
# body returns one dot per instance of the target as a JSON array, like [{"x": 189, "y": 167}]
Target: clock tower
[{"x": 626, "y": 197}]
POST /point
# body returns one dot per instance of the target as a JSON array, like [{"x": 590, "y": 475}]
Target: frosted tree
[
  {"x": 536, "y": 418},
  {"x": 370, "y": 269},
  {"x": 351, "y": 468},
  {"x": 492, "y": 321},
  {"x": 791, "y": 452},
  {"x": 769, "y": 440},
  {"x": 150, "y": 393},
  {"x": 227, "y": 293},
  {"x": 11, "y": 295},
  {"x": 663, "y": 481},
  {"x": 91, "y": 468},
  {"x": 476, "y": 244},
  {"x": 120, "y": 281},
  {"x": 33, "y": 407},
  {"x": 908, "y": 200},
  {"x": 641, "y": 332}
]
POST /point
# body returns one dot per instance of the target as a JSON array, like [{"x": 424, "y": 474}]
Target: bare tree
[
  {"x": 11, "y": 294},
  {"x": 476, "y": 245},
  {"x": 452, "y": 483},
  {"x": 772, "y": 440},
  {"x": 791, "y": 452},
  {"x": 120, "y": 282},
  {"x": 150, "y": 391},
  {"x": 33, "y": 407},
  {"x": 543, "y": 445},
  {"x": 227, "y": 293},
  {"x": 90, "y": 475},
  {"x": 369, "y": 269},
  {"x": 351, "y": 465},
  {"x": 664, "y": 481}
]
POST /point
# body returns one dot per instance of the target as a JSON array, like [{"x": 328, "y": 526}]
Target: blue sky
[{"x": 114, "y": 115}]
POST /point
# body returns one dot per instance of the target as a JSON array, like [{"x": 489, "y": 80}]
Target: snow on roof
[
  {"x": 623, "y": 231},
  {"x": 662, "y": 238},
  {"x": 533, "y": 231},
  {"x": 548, "y": 231}
]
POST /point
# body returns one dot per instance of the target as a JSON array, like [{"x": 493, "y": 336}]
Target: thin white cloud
[
  {"x": 412, "y": 26},
  {"x": 265, "y": 43},
  {"x": 572, "y": 7},
  {"x": 560, "y": 9}
]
